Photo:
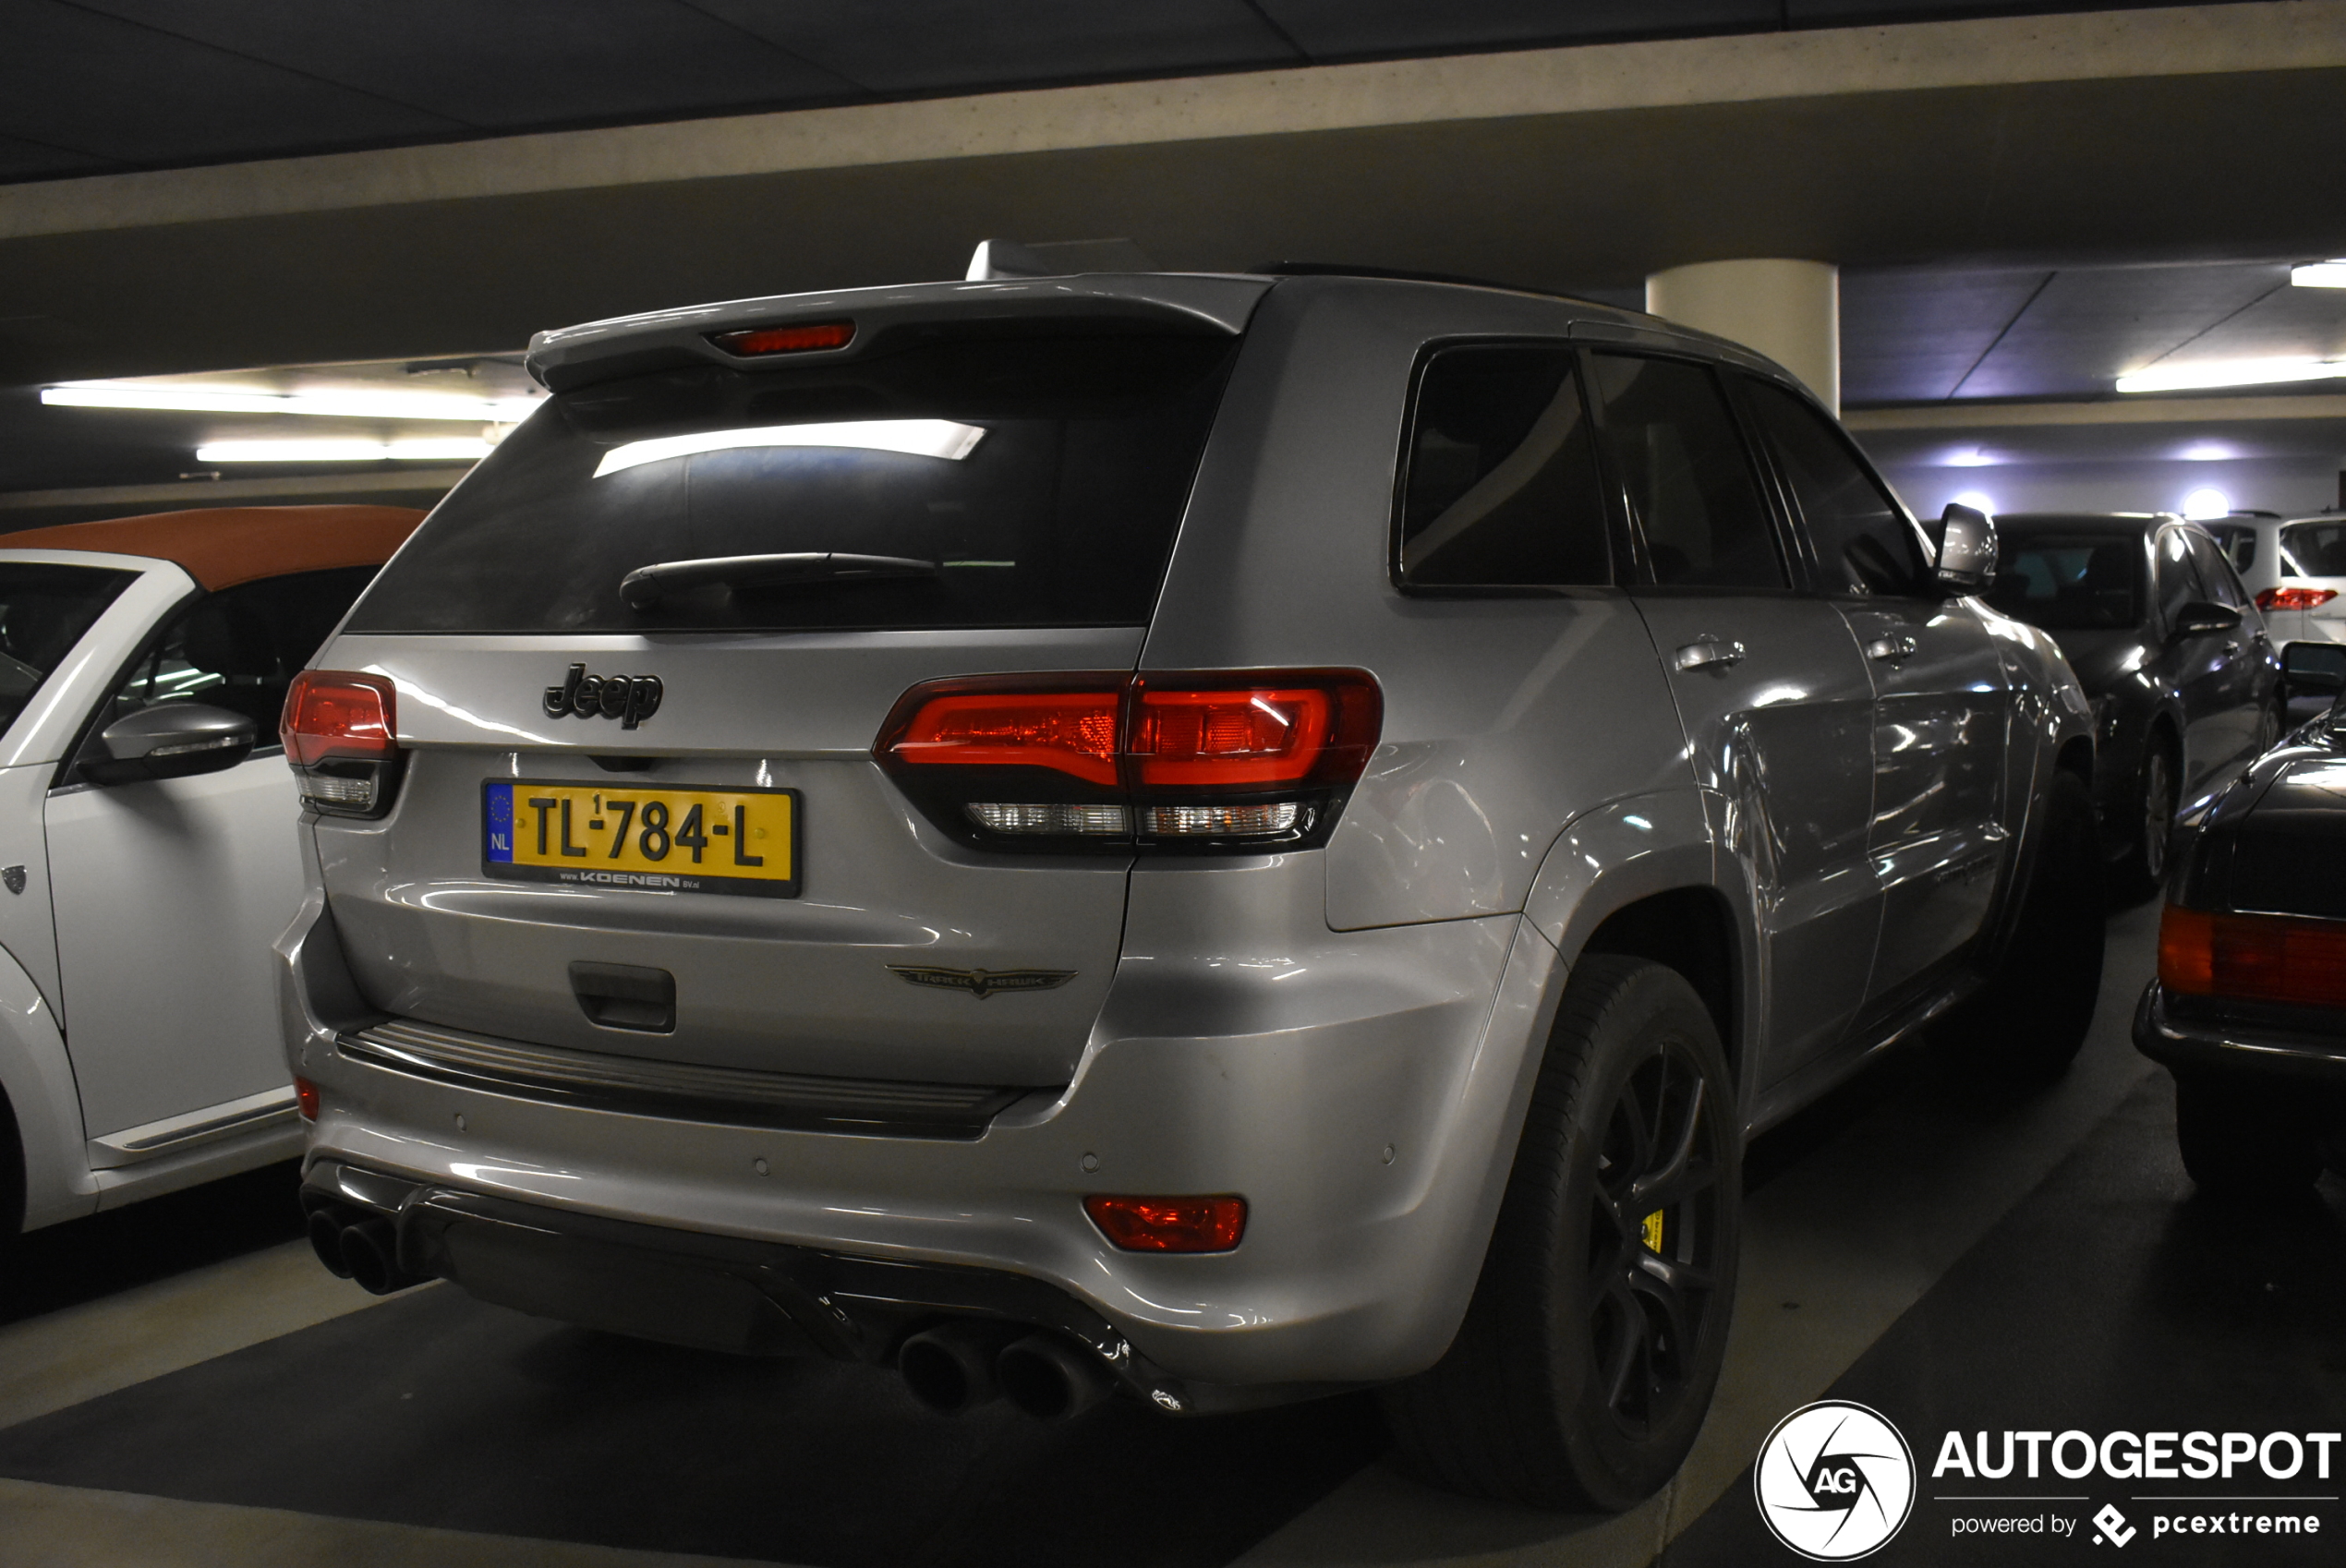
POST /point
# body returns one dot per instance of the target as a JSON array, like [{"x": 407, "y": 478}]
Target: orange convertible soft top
[{"x": 223, "y": 546}]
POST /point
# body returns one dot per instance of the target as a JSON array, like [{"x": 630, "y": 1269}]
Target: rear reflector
[
  {"x": 2291, "y": 959},
  {"x": 305, "y": 1099},
  {"x": 2295, "y": 599},
  {"x": 786, "y": 340},
  {"x": 1169, "y": 1225}
]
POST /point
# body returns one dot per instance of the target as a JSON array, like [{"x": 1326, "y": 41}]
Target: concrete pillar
[{"x": 1788, "y": 310}]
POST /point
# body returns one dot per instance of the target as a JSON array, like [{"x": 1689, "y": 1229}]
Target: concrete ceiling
[
  {"x": 2022, "y": 207},
  {"x": 91, "y": 86}
]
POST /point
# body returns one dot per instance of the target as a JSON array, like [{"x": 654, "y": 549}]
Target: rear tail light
[
  {"x": 758, "y": 341},
  {"x": 2292, "y": 959},
  {"x": 339, "y": 731},
  {"x": 1225, "y": 760},
  {"x": 2295, "y": 599},
  {"x": 1169, "y": 1225}
]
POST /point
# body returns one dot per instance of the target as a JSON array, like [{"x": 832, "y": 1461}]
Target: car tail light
[
  {"x": 758, "y": 341},
  {"x": 1071, "y": 732},
  {"x": 305, "y": 1099},
  {"x": 1169, "y": 1225},
  {"x": 2295, "y": 599},
  {"x": 340, "y": 733},
  {"x": 2292, "y": 959},
  {"x": 1162, "y": 762}
]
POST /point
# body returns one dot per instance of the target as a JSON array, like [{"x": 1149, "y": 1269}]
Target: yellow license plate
[{"x": 658, "y": 840}]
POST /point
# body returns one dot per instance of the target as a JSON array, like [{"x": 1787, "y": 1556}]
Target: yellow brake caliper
[{"x": 1651, "y": 1228}]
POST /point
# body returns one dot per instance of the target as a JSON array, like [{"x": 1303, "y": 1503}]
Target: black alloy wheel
[
  {"x": 1586, "y": 1363},
  {"x": 1651, "y": 1241}
]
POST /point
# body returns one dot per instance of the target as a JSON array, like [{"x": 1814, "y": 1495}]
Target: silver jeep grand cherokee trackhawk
[{"x": 1213, "y": 839}]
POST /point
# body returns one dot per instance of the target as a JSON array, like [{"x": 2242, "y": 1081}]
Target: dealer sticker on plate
[{"x": 661, "y": 839}]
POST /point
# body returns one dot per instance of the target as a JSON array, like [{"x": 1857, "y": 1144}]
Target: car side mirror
[
  {"x": 1966, "y": 541},
  {"x": 2200, "y": 618},
  {"x": 169, "y": 740},
  {"x": 2313, "y": 670}
]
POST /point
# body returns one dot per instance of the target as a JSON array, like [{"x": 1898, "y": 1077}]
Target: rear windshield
[
  {"x": 2313, "y": 549},
  {"x": 1012, "y": 481},
  {"x": 2072, "y": 584},
  {"x": 43, "y": 612}
]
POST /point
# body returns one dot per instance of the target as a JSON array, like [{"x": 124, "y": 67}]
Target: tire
[
  {"x": 2272, "y": 722},
  {"x": 2029, "y": 1019},
  {"x": 2144, "y": 870},
  {"x": 1587, "y": 1359},
  {"x": 2240, "y": 1142},
  {"x": 12, "y": 1176}
]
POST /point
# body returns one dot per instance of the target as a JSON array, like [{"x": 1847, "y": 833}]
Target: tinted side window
[
  {"x": 239, "y": 648},
  {"x": 1689, "y": 478},
  {"x": 2216, "y": 573},
  {"x": 43, "y": 612},
  {"x": 2313, "y": 549},
  {"x": 1863, "y": 543},
  {"x": 1502, "y": 487},
  {"x": 2178, "y": 580}
]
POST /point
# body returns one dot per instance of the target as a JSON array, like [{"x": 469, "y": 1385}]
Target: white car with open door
[{"x": 148, "y": 851}]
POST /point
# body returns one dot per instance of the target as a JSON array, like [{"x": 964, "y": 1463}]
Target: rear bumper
[
  {"x": 2306, "y": 1058},
  {"x": 1362, "y": 1091},
  {"x": 717, "y": 1293}
]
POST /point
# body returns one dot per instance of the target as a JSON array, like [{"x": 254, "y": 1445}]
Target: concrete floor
[{"x": 181, "y": 1384}]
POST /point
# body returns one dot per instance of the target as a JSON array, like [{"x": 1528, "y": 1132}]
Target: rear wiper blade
[{"x": 647, "y": 585}]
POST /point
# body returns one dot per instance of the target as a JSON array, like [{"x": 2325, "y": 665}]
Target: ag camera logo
[{"x": 1835, "y": 1480}]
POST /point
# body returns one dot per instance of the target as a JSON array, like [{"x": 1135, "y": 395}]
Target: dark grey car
[
  {"x": 2185, "y": 684},
  {"x": 1211, "y": 838}
]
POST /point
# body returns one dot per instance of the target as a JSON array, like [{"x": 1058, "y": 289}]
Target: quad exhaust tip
[
  {"x": 959, "y": 1366},
  {"x": 362, "y": 1248}
]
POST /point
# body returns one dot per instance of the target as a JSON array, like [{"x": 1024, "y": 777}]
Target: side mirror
[
  {"x": 1966, "y": 550},
  {"x": 172, "y": 741},
  {"x": 2200, "y": 617},
  {"x": 2313, "y": 670}
]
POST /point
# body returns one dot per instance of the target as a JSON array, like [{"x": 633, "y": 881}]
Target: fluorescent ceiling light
[
  {"x": 2231, "y": 373},
  {"x": 1969, "y": 457},
  {"x": 459, "y": 451},
  {"x": 915, "y": 437},
  {"x": 2321, "y": 274},
  {"x": 385, "y": 404},
  {"x": 2207, "y": 451}
]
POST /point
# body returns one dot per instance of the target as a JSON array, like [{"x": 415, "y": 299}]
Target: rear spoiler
[{"x": 626, "y": 345}]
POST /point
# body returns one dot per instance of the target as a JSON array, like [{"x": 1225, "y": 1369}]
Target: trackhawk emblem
[
  {"x": 982, "y": 982},
  {"x": 631, "y": 699}
]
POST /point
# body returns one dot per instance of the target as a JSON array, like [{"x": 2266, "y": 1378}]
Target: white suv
[{"x": 2296, "y": 567}]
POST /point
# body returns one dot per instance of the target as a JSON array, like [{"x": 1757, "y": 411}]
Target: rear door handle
[
  {"x": 1707, "y": 651},
  {"x": 1892, "y": 648}
]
